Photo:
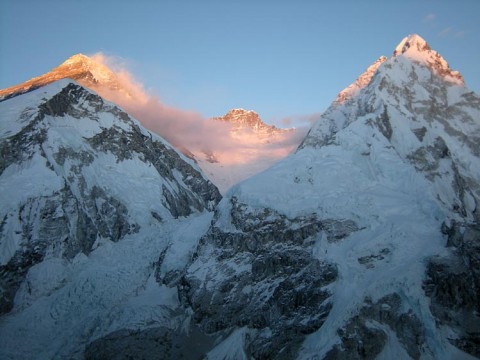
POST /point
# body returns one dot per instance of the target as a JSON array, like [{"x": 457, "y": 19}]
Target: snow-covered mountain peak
[
  {"x": 411, "y": 43},
  {"x": 241, "y": 111},
  {"x": 412, "y": 47},
  {"x": 82, "y": 65},
  {"x": 77, "y": 58},
  {"x": 253, "y": 146},
  {"x": 421, "y": 107},
  {"x": 87, "y": 71},
  {"x": 415, "y": 48},
  {"x": 242, "y": 119},
  {"x": 81, "y": 68}
]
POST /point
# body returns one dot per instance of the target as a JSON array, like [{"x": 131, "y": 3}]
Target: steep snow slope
[
  {"x": 90, "y": 199},
  {"x": 340, "y": 250}
]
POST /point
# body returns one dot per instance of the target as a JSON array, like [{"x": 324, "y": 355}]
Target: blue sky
[{"x": 280, "y": 58}]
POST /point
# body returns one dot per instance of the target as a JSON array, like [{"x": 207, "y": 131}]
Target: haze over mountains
[{"x": 362, "y": 244}]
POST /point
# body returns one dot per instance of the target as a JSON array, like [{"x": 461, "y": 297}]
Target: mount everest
[{"x": 363, "y": 244}]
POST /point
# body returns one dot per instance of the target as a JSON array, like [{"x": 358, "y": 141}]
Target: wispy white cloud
[
  {"x": 190, "y": 130},
  {"x": 300, "y": 121},
  {"x": 461, "y": 34},
  {"x": 452, "y": 32},
  {"x": 445, "y": 32},
  {"x": 429, "y": 19}
]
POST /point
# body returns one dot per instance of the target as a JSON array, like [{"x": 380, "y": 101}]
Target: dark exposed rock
[
  {"x": 64, "y": 224},
  {"x": 420, "y": 133},
  {"x": 265, "y": 221},
  {"x": 369, "y": 260},
  {"x": 69, "y": 101},
  {"x": 383, "y": 123},
  {"x": 427, "y": 158},
  {"x": 21, "y": 146},
  {"x": 453, "y": 285},
  {"x": 365, "y": 335},
  {"x": 13, "y": 273},
  {"x": 263, "y": 276},
  {"x": 126, "y": 145},
  {"x": 156, "y": 343},
  {"x": 338, "y": 229}
]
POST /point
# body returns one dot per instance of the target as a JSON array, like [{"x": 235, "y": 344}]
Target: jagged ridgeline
[{"x": 363, "y": 244}]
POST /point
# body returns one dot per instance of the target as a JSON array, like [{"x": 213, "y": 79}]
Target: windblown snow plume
[
  {"x": 238, "y": 150},
  {"x": 229, "y": 149}
]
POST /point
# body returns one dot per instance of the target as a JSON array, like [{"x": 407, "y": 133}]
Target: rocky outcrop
[
  {"x": 366, "y": 334},
  {"x": 453, "y": 285},
  {"x": 62, "y": 225},
  {"x": 261, "y": 274},
  {"x": 156, "y": 343}
]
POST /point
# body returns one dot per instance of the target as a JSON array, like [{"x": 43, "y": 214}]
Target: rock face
[
  {"x": 261, "y": 274},
  {"x": 453, "y": 285},
  {"x": 156, "y": 343},
  {"x": 366, "y": 334}
]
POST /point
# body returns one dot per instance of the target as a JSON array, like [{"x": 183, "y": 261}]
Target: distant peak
[
  {"x": 241, "y": 111},
  {"x": 412, "y": 41},
  {"x": 248, "y": 119},
  {"x": 240, "y": 116}
]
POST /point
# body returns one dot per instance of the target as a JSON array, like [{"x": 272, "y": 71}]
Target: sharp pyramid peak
[
  {"x": 414, "y": 47},
  {"x": 412, "y": 41}
]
